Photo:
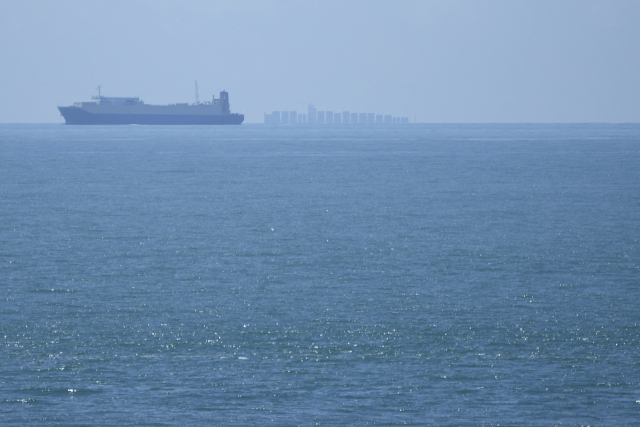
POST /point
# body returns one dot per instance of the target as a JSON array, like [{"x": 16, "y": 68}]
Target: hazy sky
[{"x": 442, "y": 61}]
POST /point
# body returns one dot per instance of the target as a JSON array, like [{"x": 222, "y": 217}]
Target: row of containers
[{"x": 314, "y": 116}]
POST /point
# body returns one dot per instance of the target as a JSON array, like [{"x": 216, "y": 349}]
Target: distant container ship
[{"x": 103, "y": 110}]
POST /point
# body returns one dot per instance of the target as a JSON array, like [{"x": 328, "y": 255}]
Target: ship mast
[
  {"x": 197, "y": 98},
  {"x": 98, "y": 91}
]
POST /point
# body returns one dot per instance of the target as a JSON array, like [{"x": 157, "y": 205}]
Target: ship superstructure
[{"x": 103, "y": 110}]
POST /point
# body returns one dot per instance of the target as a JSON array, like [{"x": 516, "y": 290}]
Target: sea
[{"x": 257, "y": 275}]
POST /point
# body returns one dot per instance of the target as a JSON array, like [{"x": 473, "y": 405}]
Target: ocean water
[{"x": 254, "y": 275}]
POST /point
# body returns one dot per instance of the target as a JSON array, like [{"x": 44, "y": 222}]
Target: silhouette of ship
[{"x": 103, "y": 110}]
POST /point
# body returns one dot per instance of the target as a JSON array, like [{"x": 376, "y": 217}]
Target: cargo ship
[{"x": 103, "y": 110}]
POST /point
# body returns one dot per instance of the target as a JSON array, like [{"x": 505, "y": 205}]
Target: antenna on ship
[
  {"x": 98, "y": 91},
  {"x": 197, "y": 98}
]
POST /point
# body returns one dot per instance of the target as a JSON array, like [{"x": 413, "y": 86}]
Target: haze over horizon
[{"x": 444, "y": 62}]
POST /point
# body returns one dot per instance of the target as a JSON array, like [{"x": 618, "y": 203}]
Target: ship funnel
[{"x": 224, "y": 102}]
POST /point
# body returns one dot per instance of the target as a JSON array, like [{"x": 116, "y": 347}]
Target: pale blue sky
[{"x": 442, "y": 61}]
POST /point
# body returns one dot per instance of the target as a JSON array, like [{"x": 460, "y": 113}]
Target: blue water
[{"x": 255, "y": 275}]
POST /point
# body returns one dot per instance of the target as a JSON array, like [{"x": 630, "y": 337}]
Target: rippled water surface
[{"x": 254, "y": 275}]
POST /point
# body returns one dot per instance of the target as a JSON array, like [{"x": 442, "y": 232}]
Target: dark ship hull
[{"x": 78, "y": 116}]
